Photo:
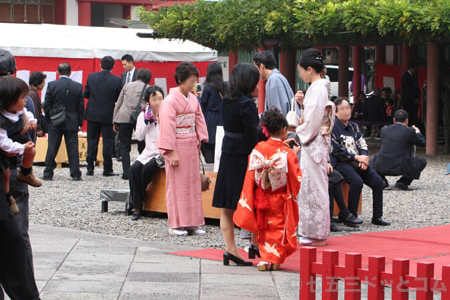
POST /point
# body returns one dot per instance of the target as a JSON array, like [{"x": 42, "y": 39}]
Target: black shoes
[
  {"x": 385, "y": 183},
  {"x": 351, "y": 220},
  {"x": 109, "y": 174},
  {"x": 227, "y": 256},
  {"x": 125, "y": 177},
  {"x": 253, "y": 251},
  {"x": 380, "y": 222},
  {"x": 90, "y": 172},
  {"x": 76, "y": 178},
  {"x": 401, "y": 186},
  {"x": 47, "y": 178},
  {"x": 334, "y": 228}
]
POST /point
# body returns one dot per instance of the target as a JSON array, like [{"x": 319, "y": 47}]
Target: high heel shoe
[
  {"x": 227, "y": 256},
  {"x": 253, "y": 251}
]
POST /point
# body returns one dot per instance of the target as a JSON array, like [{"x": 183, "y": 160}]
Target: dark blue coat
[{"x": 212, "y": 104}]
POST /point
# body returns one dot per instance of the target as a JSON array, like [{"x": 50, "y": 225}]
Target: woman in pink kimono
[
  {"x": 182, "y": 129},
  {"x": 314, "y": 135}
]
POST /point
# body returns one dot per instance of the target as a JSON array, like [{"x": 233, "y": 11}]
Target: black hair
[
  {"x": 339, "y": 101},
  {"x": 185, "y": 70},
  {"x": 266, "y": 58},
  {"x": 107, "y": 63},
  {"x": 128, "y": 58},
  {"x": 11, "y": 88},
  {"x": 412, "y": 64},
  {"x": 144, "y": 75},
  {"x": 401, "y": 115},
  {"x": 36, "y": 78},
  {"x": 64, "y": 69},
  {"x": 361, "y": 93},
  {"x": 151, "y": 91},
  {"x": 243, "y": 80},
  {"x": 214, "y": 77},
  {"x": 312, "y": 58},
  {"x": 274, "y": 121},
  {"x": 7, "y": 63},
  {"x": 332, "y": 98}
]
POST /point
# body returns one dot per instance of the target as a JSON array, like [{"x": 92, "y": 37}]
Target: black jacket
[
  {"x": 124, "y": 76},
  {"x": 69, "y": 94},
  {"x": 102, "y": 89},
  {"x": 410, "y": 91},
  {"x": 395, "y": 157}
]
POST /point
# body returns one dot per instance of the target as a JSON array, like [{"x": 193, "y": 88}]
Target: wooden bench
[
  {"x": 155, "y": 200},
  {"x": 61, "y": 157}
]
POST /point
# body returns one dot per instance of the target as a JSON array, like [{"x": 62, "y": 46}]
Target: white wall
[{"x": 71, "y": 12}]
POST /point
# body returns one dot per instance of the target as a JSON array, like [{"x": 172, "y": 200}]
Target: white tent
[{"x": 61, "y": 41}]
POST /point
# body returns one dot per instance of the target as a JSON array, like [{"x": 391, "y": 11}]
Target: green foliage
[{"x": 233, "y": 24}]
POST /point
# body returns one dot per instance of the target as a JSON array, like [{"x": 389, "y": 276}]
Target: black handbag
[
  {"x": 135, "y": 114},
  {"x": 58, "y": 114}
]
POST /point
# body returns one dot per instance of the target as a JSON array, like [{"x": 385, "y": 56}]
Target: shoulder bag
[
  {"x": 58, "y": 114},
  {"x": 138, "y": 109},
  {"x": 292, "y": 117}
]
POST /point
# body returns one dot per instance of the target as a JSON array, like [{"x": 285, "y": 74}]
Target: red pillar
[
  {"x": 84, "y": 13},
  {"x": 126, "y": 12},
  {"x": 60, "y": 12},
  {"x": 343, "y": 71},
  {"x": 288, "y": 65},
  {"x": 261, "y": 91},
  {"x": 356, "y": 73},
  {"x": 432, "y": 98},
  {"x": 233, "y": 59},
  {"x": 380, "y": 55},
  {"x": 406, "y": 57}
]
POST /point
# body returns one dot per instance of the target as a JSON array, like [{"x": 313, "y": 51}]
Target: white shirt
[
  {"x": 130, "y": 74},
  {"x": 149, "y": 133},
  {"x": 6, "y": 144}
]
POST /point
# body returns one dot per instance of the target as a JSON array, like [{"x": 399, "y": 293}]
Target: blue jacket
[{"x": 278, "y": 92}]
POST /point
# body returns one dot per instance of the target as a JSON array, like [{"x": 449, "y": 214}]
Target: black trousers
[
  {"x": 16, "y": 267},
  {"x": 140, "y": 176},
  {"x": 208, "y": 152},
  {"x": 54, "y": 141},
  {"x": 94, "y": 129},
  {"x": 125, "y": 134},
  {"x": 356, "y": 180},
  {"x": 335, "y": 192},
  {"x": 415, "y": 166}
]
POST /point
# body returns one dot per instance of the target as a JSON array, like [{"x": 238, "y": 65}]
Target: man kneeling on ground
[
  {"x": 395, "y": 157},
  {"x": 350, "y": 156}
]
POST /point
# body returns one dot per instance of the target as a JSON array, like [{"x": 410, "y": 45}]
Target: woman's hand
[
  {"x": 33, "y": 125},
  {"x": 296, "y": 149},
  {"x": 174, "y": 159},
  {"x": 299, "y": 96},
  {"x": 330, "y": 168}
]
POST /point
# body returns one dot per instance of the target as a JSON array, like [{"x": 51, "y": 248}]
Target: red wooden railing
[{"x": 374, "y": 276}]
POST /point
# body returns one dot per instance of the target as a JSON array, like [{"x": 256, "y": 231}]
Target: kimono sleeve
[
  {"x": 244, "y": 216},
  {"x": 200, "y": 125},
  {"x": 294, "y": 174},
  {"x": 167, "y": 127},
  {"x": 312, "y": 116}
]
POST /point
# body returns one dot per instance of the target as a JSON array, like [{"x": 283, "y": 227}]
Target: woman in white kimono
[{"x": 314, "y": 135}]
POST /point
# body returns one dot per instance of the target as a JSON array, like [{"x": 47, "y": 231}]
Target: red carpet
[{"x": 429, "y": 244}]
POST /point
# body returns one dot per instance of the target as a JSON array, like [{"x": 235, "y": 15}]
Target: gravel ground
[{"x": 76, "y": 205}]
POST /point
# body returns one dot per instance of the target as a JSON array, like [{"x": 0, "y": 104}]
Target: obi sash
[
  {"x": 185, "y": 124},
  {"x": 270, "y": 174}
]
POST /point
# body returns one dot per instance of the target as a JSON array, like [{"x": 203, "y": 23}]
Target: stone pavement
[{"x": 72, "y": 264}]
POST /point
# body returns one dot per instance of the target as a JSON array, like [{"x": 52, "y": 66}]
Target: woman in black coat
[
  {"x": 240, "y": 121},
  {"x": 211, "y": 102}
]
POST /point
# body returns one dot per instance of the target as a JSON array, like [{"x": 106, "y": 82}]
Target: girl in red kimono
[{"x": 268, "y": 203}]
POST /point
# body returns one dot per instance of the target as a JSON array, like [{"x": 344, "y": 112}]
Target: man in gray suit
[{"x": 278, "y": 91}]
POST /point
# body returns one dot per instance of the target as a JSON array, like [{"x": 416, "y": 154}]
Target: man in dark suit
[
  {"x": 68, "y": 94},
  {"x": 102, "y": 89},
  {"x": 411, "y": 93},
  {"x": 395, "y": 158},
  {"x": 130, "y": 73}
]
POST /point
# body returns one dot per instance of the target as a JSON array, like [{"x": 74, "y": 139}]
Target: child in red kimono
[{"x": 268, "y": 205}]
